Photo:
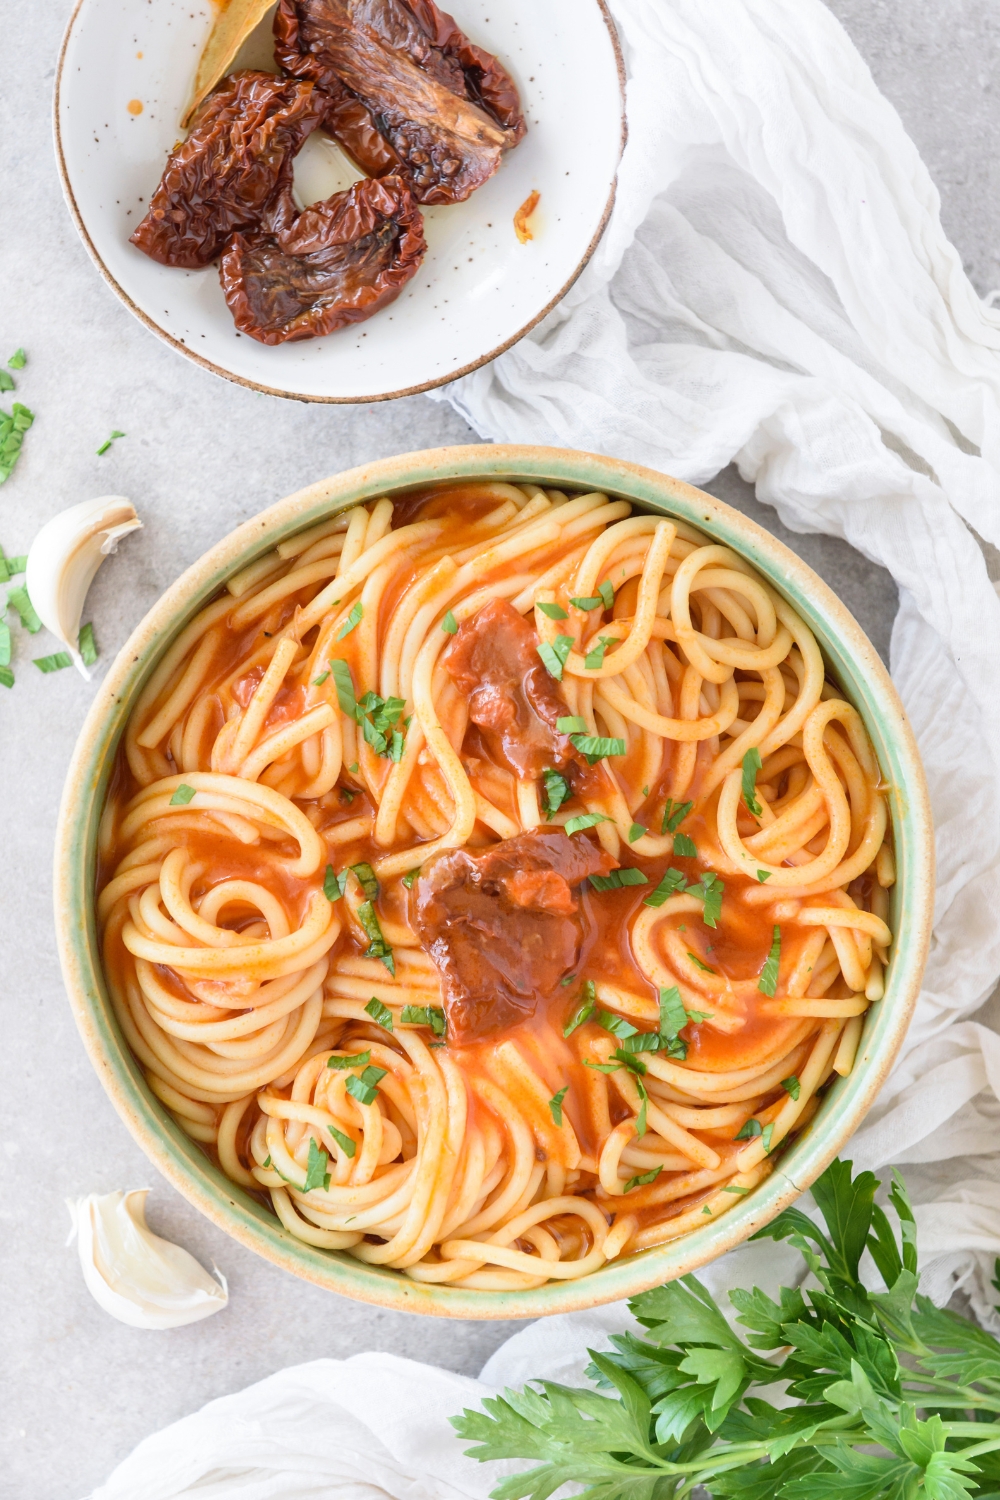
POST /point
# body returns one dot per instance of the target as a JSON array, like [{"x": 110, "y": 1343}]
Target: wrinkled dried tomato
[
  {"x": 232, "y": 166},
  {"x": 310, "y": 273},
  {"x": 409, "y": 93}
]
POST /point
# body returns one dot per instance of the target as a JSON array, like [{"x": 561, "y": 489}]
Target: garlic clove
[
  {"x": 137, "y": 1277},
  {"x": 65, "y": 556}
]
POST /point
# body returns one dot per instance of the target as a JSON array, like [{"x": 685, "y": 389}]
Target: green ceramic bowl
[{"x": 854, "y": 664}]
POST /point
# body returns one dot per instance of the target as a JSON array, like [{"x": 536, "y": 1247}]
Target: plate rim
[{"x": 269, "y": 390}]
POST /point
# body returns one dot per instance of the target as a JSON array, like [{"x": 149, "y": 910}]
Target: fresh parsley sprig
[{"x": 889, "y": 1397}]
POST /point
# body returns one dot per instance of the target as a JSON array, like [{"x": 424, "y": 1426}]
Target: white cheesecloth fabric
[{"x": 774, "y": 289}]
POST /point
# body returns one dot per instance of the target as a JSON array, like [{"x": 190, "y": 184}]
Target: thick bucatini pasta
[{"x": 494, "y": 881}]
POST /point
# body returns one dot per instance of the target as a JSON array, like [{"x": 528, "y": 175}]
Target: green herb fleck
[
  {"x": 684, "y": 847},
  {"x": 13, "y": 425},
  {"x": 571, "y": 724},
  {"x": 751, "y": 765},
  {"x": 6, "y": 383},
  {"x": 319, "y": 681},
  {"x": 551, "y": 611},
  {"x": 366, "y": 879},
  {"x": 640, "y": 1119},
  {"x": 555, "y": 1104},
  {"x": 343, "y": 1061},
  {"x": 763, "y": 875},
  {"x": 607, "y": 593},
  {"x": 554, "y": 655},
  {"x": 364, "y": 1086},
  {"x": 345, "y": 688},
  {"x": 617, "y": 1025},
  {"x": 749, "y": 1131},
  {"x": 18, "y": 599},
  {"x": 425, "y": 1015},
  {"x": 345, "y": 1143},
  {"x": 86, "y": 645},
  {"x": 594, "y": 658},
  {"x": 54, "y": 663},
  {"x": 700, "y": 964},
  {"x": 378, "y": 947},
  {"x": 584, "y": 1010},
  {"x": 410, "y": 877},
  {"x": 354, "y": 618},
  {"x": 672, "y": 883},
  {"x": 333, "y": 885},
  {"x": 18, "y": 360},
  {"x": 556, "y": 791},
  {"x": 674, "y": 815},
  {"x": 636, "y": 832},
  {"x": 449, "y": 624},
  {"x": 629, "y": 875},
  {"x": 768, "y": 981},
  {"x": 595, "y": 747},
  {"x": 380, "y": 1013},
  {"x": 107, "y": 443},
  {"x": 586, "y": 820},
  {"x": 791, "y": 1086},
  {"x": 182, "y": 796},
  {"x": 643, "y": 1179}
]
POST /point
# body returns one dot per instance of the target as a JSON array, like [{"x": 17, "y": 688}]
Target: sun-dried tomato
[
  {"x": 410, "y": 94},
  {"x": 310, "y": 273},
  {"x": 232, "y": 166}
]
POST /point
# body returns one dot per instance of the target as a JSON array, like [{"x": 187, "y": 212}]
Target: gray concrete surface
[{"x": 79, "y": 1390}]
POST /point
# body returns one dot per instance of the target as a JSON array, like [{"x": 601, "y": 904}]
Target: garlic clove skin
[
  {"x": 65, "y": 556},
  {"x": 137, "y": 1277}
]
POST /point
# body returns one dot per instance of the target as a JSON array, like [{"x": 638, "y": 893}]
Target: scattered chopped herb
[
  {"x": 18, "y": 360},
  {"x": 342, "y": 1061},
  {"x": 684, "y": 847},
  {"x": 449, "y": 624},
  {"x": 425, "y": 1015},
  {"x": 551, "y": 611},
  {"x": 712, "y": 890},
  {"x": 601, "y": 1067},
  {"x": 13, "y": 425},
  {"x": 629, "y": 875},
  {"x": 751, "y": 765},
  {"x": 366, "y": 880},
  {"x": 17, "y": 564},
  {"x": 107, "y": 443},
  {"x": 345, "y": 1143},
  {"x": 182, "y": 796},
  {"x": 319, "y": 681},
  {"x": 700, "y": 964},
  {"x": 267, "y": 1160},
  {"x": 732, "y": 1188},
  {"x": 568, "y": 979},
  {"x": 554, "y": 654},
  {"x": 364, "y": 1086},
  {"x": 556, "y": 791},
  {"x": 410, "y": 877},
  {"x": 749, "y": 1131},
  {"x": 645, "y": 791},
  {"x": 354, "y": 618},
  {"x": 353, "y": 768},
  {"x": 346, "y": 795},
  {"x": 571, "y": 724},
  {"x": 586, "y": 820},
  {"x": 345, "y": 688},
  {"x": 333, "y": 885},
  {"x": 4, "y": 644},
  {"x": 555, "y": 1104},
  {"x": 594, "y": 658},
  {"x": 617, "y": 1025},
  {"x": 766, "y": 1137},
  {"x": 396, "y": 747},
  {"x": 380, "y": 1013},
  {"x": 763, "y": 875},
  {"x": 584, "y": 1010},
  {"x": 643, "y": 1179},
  {"x": 378, "y": 947},
  {"x": 53, "y": 663},
  {"x": 636, "y": 832},
  {"x": 791, "y": 1085},
  {"x": 672, "y": 882},
  {"x": 640, "y": 1119},
  {"x": 86, "y": 645},
  {"x": 317, "y": 1174},
  {"x": 768, "y": 981},
  {"x": 595, "y": 747},
  {"x": 674, "y": 815},
  {"x": 591, "y": 601},
  {"x": 6, "y": 383},
  {"x": 18, "y": 599},
  {"x": 6, "y": 677},
  {"x": 673, "y": 1016}
]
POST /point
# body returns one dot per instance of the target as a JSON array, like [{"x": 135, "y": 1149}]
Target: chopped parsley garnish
[
  {"x": 18, "y": 360},
  {"x": 267, "y": 1160},
  {"x": 766, "y": 1137},
  {"x": 555, "y": 1104},
  {"x": 594, "y": 747},
  {"x": 425, "y": 1015},
  {"x": 333, "y": 885},
  {"x": 53, "y": 663},
  {"x": 18, "y": 599},
  {"x": 6, "y": 677},
  {"x": 674, "y": 814},
  {"x": 672, "y": 883},
  {"x": 617, "y": 1025},
  {"x": 556, "y": 791},
  {"x": 108, "y": 441},
  {"x": 364, "y": 1086},
  {"x": 684, "y": 847},
  {"x": 732, "y": 1188},
  {"x": 13, "y": 425},
  {"x": 4, "y": 644},
  {"x": 376, "y": 716},
  {"x": 712, "y": 890},
  {"x": 319, "y": 681},
  {"x": 594, "y": 658},
  {"x": 345, "y": 688},
  {"x": 317, "y": 1174},
  {"x": 591, "y": 601},
  {"x": 343, "y": 1061},
  {"x": 554, "y": 654},
  {"x": 751, "y": 765},
  {"x": 6, "y": 383},
  {"x": 640, "y": 1119},
  {"x": 636, "y": 832},
  {"x": 380, "y": 1013},
  {"x": 568, "y": 979},
  {"x": 643, "y": 1179},
  {"x": 377, "y": 945},
  {"x": 353, "y": 768},
  {"x": 627, "y": 1058},
  {"x": 700, "y": 963},
  {"x": 366, "y": 880},
  {"x": 791, "y": 1086},
  {"x": 17, "y": 564},
  {"x": 86, "y": 645},
  {"x": 763, "y": 875},
  {"x": 673, "y": 1016},
  {"x": 346, "y": 795},
  {"x": 607, "y": 593},
  {"x": 182, "y": 796},
  {"x": 345, "y": 1143},
  {"x": 354, "y": 618},
  {"x": 601, "y": 1067},
  {"x": 571, "y": 724},
  {"x": 749, "y": 1131},
  {"x": 613, "y": 882},
  {"x": 584, "y": 1010},
  {"x": 768, "y": 981},
  {"x": 551, "y": 611},
  {"x": 586, "y": 820},
  {"x": 410, "y": 877},
  {"x": 449, "y": 624}
]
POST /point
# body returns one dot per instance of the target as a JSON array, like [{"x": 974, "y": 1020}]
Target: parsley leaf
[
  {"x": 617, "y": 1025},
  {"x": 571, "y": 724},
  {"x": 86, "y": 645},
  {"x": 410, "y": 877},
  {"x": 364, "y": 1086},
  {"x": 13, "y": 425},
  {"x": 643, "y": 1179},
  {"x": 584, "y": 1010},
  {"x": 345, "y": 1143},
  {"x": 712, "y": 890},
  {"x": 366, "y": 879},
  {"x": 594, "y": 658},
  {"x": 674, "y": 815},
  {"x": 6, "y": 383},
  {"x": 182, "y": 796},
  {"x": 768, "y": 981},
  {"x": 342, "y": 1061},
  {"x": 345, "y": 688},
  {"x": 54, "y": 663},
  {"x": 378, "y": 947},
  {"x": 18, "y": 360},
  {"x": 684, "y": 847},
  {"x": 19, "y": 600},
  {"x": 672, "y": 883},
  {"x": 628, "y": 875},
  {"x": 636, "y": 832},
  {"x": 557, "y": 791},
  {"x": 595, "y": 747},
  {"x": 380, "y": 1013},
  {"x": 424, "y": 1015},
  {"x": 317, "y": 1174},
  {"x": 551, "y": 611},
  {"x": 449, "y": 624},
  {"x": 333, "y": 885},
  {"x": 751, "y": 765},
  {"x": 554, "y": 654},
  {"x": 353, "y": 619},
  {"x": 700, "y": 963},
  {"x": 791, "y": 1085},
  {"x": 763, "y": 875},
  {"x": 586, "y": 820},
  {"x": 555, "y": 1104}
]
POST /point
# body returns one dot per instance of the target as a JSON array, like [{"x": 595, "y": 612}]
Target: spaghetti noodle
[{"x": 493, "y": 880}]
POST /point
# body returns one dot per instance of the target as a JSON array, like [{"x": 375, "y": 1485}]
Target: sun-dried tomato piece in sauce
[
  {"x": 409, "y": 93},
  {"x": 309, "y": 273},
  {"x": 227, "y": 173}
]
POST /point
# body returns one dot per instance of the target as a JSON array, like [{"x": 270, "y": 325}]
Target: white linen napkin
[{"x": 774, "y": 288}]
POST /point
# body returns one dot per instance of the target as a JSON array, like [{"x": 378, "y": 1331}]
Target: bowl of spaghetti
[{"x": 494, "y": 881}]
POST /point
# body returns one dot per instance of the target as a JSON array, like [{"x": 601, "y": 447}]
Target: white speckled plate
[{"x": 479, "y": 289}]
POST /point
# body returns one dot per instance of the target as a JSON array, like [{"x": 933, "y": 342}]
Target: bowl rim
[
  {"x": 270, "y": 390},
  {"x": 860, "y": 672}
]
